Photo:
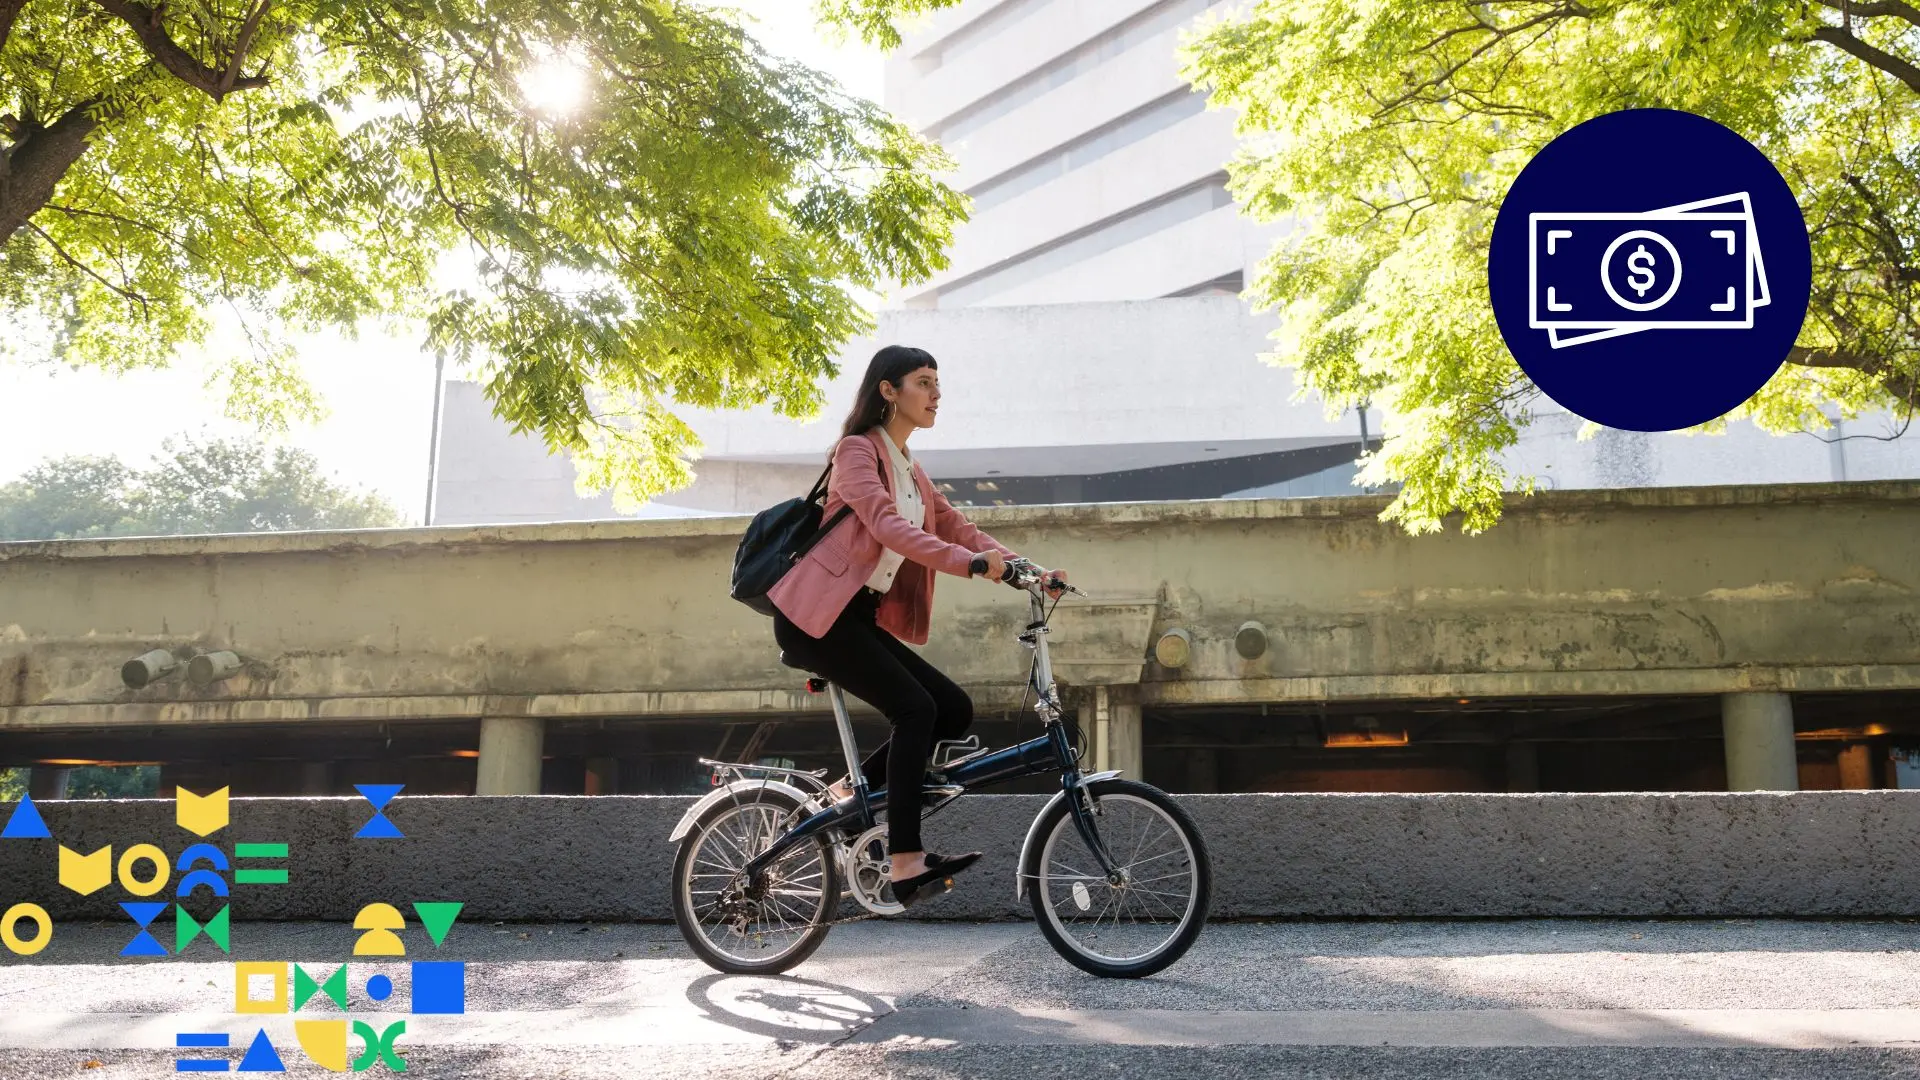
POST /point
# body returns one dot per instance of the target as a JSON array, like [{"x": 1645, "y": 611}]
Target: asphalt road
[{"x": 1532, "y": 999}]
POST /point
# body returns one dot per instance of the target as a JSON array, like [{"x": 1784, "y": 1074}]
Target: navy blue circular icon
[{"x": 1649, "y": 269}]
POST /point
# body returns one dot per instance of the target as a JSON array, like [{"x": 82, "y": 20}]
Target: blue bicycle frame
[{"x": 1045, "y": 753}]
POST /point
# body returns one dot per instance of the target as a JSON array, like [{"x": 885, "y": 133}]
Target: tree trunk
[
  {"x": 32, "y": 166},
  {"x": 8, "y": 9}
]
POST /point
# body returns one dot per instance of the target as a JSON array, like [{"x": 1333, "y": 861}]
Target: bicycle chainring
[{"x": 865, "y": 862}]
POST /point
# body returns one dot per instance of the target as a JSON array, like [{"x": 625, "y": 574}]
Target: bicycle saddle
[{"x": 815, "y": 684}]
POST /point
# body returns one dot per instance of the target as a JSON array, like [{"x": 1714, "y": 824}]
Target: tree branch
[
  {"x": 182, "y": 65},
  {"x": 1500, "y": 34},
  {"x": 1887, "y": 62},
  {"x": 1873, "y": 9},
  {"x": 1898, "y": 383},
  {"x": 1886, "y": 235},
  {"x": 242, "y": 43},
  {"x": 87, "y": 270}
]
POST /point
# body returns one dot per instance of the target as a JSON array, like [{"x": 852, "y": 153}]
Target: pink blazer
[{"x": 814, "y": 592}]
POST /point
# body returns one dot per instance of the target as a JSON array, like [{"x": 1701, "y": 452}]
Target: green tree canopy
[
  {"x": 220, "y": 486},
  {"x": 1395, "y": 127},
  {"x": 90, "y": 782},
  {"x": 686, "y": 234}
]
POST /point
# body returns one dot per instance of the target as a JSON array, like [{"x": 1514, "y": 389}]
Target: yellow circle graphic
[
  {"x": 160, "y": 871},
  {"x": 12, "y": 918}
]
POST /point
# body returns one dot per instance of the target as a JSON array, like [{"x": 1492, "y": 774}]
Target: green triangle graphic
[
  {"x": 438, "y": 918},
  {"x": 185, "y": 929},
  {"x": 304, "y": 987},
  {"x": 336, "y": 986}
]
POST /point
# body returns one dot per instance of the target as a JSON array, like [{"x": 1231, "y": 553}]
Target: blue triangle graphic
[
  {"x": 26, "y": 823},
  {"x": 142, "y": 912},
  {"x": 144, "y": 944},
  {"x": 261, "y": 1056},
  {"x": 379, "y": 794},
  {"x": 379, "y": 828}
]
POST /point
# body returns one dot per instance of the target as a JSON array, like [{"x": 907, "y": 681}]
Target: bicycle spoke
[
  {"x": 1132, "y": 920},
  {"x": 1163, "y": 877},
  {"x": 1157, "y": 858},
  {"x": 783, "y": 911}
]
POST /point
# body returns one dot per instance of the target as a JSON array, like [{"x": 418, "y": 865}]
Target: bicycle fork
[{"x": 1079, "y": 794}]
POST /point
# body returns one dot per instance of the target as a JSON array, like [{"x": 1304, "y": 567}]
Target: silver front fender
[
  {"x": 724, "y": 792},
  {"x": 1033, "y": 831}
]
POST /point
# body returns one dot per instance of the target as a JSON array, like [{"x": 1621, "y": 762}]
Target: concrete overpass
[{"x": 1746, "y": 600}]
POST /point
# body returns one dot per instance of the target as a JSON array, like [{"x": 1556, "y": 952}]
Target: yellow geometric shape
[
  {"x": 161, "y": 871},
  {"x": 379, "y": 921},
  {"x": 86, "y": 874},
  {"x": 242, "y": 972},
  {"x": 324, "y": 1042},
  {"x": 200, "y": 814},
  {"x": 25, "y": 911}
]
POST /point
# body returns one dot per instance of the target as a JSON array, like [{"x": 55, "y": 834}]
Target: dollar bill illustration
[{"x": 1693, "y": 266}]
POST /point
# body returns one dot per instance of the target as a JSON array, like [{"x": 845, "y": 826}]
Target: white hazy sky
[{"x": 378, "y": 389}]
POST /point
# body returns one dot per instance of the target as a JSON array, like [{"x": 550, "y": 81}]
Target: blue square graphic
[{"x": 439, "y": 986}]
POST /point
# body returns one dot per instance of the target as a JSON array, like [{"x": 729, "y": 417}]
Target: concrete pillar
[
  {"x": 1758, "y": 728},
  {"x": 509, "y": 755},
  {"x": 603, "y": 776},
  {"x": 1122, "y": 748},
  {"x": 1856, "y": 767},
  {"x": 316, "y": 778},
  {"x": 48, "y": 781},
  {"x": 1523, "y": 766},
  {"x": 1113, "y": 737}
]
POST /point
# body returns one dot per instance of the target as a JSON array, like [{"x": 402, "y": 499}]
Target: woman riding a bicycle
[{"x": 848, "y": 609}]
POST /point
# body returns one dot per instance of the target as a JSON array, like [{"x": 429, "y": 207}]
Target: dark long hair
[{"x": 891, "y": 364}]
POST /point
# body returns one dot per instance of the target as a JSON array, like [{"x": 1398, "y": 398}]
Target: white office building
[
  {"x": 1096, "y": 172},
  {"x": 1091, "y": 339}
]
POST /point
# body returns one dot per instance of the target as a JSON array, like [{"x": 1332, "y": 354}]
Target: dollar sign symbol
[{"x": 1640, "y": 270}]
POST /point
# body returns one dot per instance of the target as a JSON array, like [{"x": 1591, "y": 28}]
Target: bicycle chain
[{"x": 830, "y": 923}]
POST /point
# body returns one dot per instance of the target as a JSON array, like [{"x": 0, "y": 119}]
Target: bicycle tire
[
  {"x": 685, "y": 916},
  {"x": 1057, "y": 817}
]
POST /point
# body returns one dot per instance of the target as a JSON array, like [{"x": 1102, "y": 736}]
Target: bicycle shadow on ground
[{"x": 785, "y": 1007}]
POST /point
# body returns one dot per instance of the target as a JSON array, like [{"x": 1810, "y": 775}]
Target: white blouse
[{"x": 906, "y": 499}]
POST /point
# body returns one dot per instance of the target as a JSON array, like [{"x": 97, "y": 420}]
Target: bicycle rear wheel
[
  {"x": 759, "y": 927},
  {"x": 1149, "y": 918}
]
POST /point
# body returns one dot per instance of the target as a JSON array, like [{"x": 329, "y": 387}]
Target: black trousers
[{"x": 923, "y": 705}]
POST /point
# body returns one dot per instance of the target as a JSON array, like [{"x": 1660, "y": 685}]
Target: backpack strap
[
  {"x": 819, "y": 489},
  {"x": 819, "y": 486}
]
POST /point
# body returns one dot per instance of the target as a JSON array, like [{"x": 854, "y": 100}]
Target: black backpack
[{"x": 777, "y": 538}]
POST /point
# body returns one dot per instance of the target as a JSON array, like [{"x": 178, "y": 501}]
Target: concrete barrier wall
[
  {"x": 1639, "y": 591},
  {"x": 606, "y": 857}
]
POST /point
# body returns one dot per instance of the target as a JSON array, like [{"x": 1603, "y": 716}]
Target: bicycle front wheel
[
  {"x": 1145, "y": 920},
  {"x": 753, "y": 927}
]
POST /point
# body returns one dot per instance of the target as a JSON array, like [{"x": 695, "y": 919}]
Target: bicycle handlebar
[{"x": 1024, "y": 574}]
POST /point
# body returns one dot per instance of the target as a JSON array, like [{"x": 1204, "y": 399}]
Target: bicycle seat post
[{"x": 847, "y": 746}]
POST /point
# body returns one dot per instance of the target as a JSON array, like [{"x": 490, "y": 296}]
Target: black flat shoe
[{"x": 937, "y": 879}]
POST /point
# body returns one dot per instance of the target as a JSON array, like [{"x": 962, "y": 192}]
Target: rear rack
[{"x": 740, "y": 771}]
